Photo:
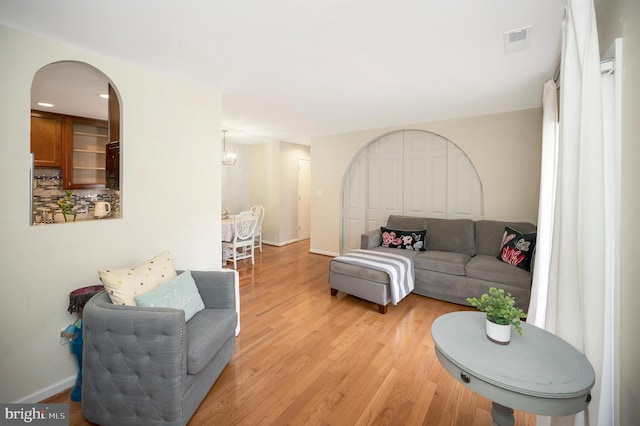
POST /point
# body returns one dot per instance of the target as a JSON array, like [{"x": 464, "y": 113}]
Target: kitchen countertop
[{"x": 80, "y": 217}]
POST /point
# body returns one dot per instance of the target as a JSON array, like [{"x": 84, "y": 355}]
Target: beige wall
[
  {"x": 505, "y": 149},
  {"x": 621, "y": 18},
  {"x": 289, "y": 155},
  {"x": 235, "y": 180},
  {"x": 170, "y": 187},
  {"x": 273, "y": 182},
  {"x": 264, "y": 188}
]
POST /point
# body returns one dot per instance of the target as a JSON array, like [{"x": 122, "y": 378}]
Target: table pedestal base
[{"x": 501, "y": 415}]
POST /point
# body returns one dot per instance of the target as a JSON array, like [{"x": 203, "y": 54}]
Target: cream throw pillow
[{"x": 123, "y": 285}]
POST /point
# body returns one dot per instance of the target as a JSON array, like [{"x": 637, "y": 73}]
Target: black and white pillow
[
  {"x": 517, "y": 248},
  {"x": 408, "y": 240}
]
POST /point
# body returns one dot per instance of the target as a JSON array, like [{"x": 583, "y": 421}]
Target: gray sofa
[
  {"x": 147, "y": 366},
  {"x": 460, "y": 260}
]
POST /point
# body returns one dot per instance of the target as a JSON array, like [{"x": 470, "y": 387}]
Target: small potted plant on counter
[
  {"x": 502, "y": 313},
  {"x": 67, "y": 206}
]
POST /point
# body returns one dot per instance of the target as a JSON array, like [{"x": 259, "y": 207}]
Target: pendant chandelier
[{"x": 228, "y": 157}]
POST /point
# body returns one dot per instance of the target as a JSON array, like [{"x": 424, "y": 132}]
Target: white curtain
[
  {"x": 570, "y": 289},
  {"x": 546, "y": 206}
]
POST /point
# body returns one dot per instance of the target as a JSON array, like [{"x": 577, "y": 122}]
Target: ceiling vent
[{"x": 517, "y": 40}]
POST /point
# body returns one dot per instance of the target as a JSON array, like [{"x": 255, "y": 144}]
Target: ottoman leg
[
  {"x": 382, "y": 309},
  {"x": 334, "y": 292}
]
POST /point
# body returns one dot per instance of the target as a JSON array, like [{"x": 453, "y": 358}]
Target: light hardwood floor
[{"x": 304, "y": 357}]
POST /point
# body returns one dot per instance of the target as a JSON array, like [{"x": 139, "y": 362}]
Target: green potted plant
[
  {"x": 67, "y": 206},
  {"x": 502, "y": 313}
]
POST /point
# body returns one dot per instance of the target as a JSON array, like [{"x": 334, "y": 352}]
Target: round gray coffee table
[{"x": 537, "y": 372}]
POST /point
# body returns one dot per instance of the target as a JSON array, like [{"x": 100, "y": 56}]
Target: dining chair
[
  {"x": 258, "y": 210},
  {"x": 242, "y": 244}
]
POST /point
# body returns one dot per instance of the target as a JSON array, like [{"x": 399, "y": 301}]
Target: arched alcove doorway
[
  {"x": 75, "y": 143},
  {"x": 407, "y": 172}
]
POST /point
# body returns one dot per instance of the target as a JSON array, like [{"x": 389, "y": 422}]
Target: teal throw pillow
[{"x": 179, "y": 293}]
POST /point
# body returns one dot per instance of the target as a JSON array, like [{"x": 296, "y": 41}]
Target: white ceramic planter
[{"x": 497, "y": 333}]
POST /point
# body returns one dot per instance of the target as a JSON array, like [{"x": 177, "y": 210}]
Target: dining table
[{"x": 227, "y": 228}]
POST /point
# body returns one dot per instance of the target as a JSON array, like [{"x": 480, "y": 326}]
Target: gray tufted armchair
[{"x": 147, "y": 366}]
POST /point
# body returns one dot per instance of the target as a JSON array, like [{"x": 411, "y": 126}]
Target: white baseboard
[
  {"x": 50, "y": 390},
  {"x": 324, "y": 252},
  {"x": 272, "y": 243}
]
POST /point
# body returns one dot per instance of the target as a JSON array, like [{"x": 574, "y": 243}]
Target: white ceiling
[
  {"x": 73, "y": 88},
  {"x": 292, "y": 69}
]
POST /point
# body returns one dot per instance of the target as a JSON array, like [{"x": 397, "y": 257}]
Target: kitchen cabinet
[
  {"x": 46, "y": 139},
  {"x": 77, "y": 145},
  {"x": 85, "y": 153}
]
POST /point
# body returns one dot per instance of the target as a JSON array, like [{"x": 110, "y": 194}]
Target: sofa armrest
[
  {"x": 134, "y": 363},
  {"x": 219, "y": 290},
  {"x": 370, "y": 239}
]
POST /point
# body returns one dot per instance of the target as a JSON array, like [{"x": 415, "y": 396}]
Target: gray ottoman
[{"x": 362, "y": 282}]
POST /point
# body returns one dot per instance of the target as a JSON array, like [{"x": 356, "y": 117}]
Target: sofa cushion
[
  {"x": 407, "y": 240},
  {"x": 489, "y": 234},
  {"x": 207, "y": 332},
  {"x": 406, "y": 223},
  {"x": 442, "y": 261},
  {"x": 123, "y": 284},
  {"x": 488, "y": 268},
  {"x": 517, "y": 248},
  {"x": 179, "y": 293},
  {"x": 454, "y": 235}
]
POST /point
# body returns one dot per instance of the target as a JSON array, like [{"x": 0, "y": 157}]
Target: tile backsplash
[{"x": 47, "y": 190}]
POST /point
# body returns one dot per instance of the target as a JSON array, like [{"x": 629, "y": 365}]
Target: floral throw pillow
[
  {"x": 408, "y": 240},
  {"x": 517, "y": 248}
]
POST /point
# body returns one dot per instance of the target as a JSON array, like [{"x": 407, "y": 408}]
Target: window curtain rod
[{"x": 606, "y": 67}]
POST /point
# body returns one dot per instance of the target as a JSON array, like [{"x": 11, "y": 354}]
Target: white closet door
[
  {"x": 425, "y": 174},
  {"x": 413, "y": 173},
  {"x": 385, "y": 179},
  {"x": 464, "y": 190},
  {"x": 354, "y": 207}
]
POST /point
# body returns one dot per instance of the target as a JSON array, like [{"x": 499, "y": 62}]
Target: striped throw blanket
[{"x": 399, "y": 268}]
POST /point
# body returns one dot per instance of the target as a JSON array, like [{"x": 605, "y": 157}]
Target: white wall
[
  {"x": 170, "y": 187},
  {"x": 505, "y": 149}
]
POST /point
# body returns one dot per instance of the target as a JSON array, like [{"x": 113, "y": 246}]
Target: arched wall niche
[
  {"x": 407, "y": 172},
  {"x": 75, "y": 143}
]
